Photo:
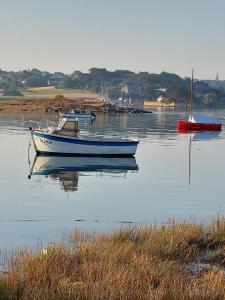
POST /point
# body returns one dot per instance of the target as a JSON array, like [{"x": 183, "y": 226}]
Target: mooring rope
[{"x": 28, "y": 157}]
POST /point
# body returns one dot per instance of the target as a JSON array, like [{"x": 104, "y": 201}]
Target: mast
[{"x": 191, "y": 92}]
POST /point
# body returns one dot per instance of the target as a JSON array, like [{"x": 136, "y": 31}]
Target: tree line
[{"x": 140, "y": 86}]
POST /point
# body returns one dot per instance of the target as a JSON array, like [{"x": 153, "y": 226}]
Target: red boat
[{"x": 198, "y": 122}]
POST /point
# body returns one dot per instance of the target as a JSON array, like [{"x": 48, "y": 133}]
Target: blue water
[{"x": 176, "y": 175}]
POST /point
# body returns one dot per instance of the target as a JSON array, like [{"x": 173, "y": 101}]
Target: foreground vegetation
[{"x": 174, "y": 261}]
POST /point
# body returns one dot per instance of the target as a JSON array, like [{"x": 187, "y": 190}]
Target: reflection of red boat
[{"x": 198, "y": 122}]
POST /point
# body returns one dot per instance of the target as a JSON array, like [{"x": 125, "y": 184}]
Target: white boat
[
  {"x": 66, "y": 140},
  {"x": 87, "y": 115}
]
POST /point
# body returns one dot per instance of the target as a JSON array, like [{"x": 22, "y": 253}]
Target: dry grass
[
  {"x": 132, "y": 263},
  {"x": 50, "y": 92}
]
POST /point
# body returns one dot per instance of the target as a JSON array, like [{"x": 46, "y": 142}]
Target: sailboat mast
[{"x": 191, "y": 93}]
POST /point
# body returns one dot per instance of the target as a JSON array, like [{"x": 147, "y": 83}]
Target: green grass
[
  {"x": 50, "y": 92},
  {"x": 133, "y": 263}
]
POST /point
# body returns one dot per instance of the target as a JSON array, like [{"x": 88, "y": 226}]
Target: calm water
[{"x": 172, "y": 175}]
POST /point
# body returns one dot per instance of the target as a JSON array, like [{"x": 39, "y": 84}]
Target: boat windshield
[
  {"x": 61, "y": 123},
  {"x": 68, "y": 126}
]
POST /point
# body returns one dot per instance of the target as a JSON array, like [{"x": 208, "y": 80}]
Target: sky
[{"x": 138, "y": 35}]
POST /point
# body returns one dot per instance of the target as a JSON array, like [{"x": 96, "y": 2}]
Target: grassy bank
[
  {"x": 50, "y": 92},
  {"x": 174, "y": 261}
]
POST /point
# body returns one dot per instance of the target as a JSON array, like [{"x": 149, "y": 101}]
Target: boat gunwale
[{"x": 75, "y": 140}]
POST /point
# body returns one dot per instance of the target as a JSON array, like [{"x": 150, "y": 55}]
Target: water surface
[{"x": 172, "y": 175}]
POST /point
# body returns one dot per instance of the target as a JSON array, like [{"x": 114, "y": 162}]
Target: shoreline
[
  {"x": 60, "y": 103},
  {"x": 52, "y": 105},
  {"x": 177, "y": 260}
]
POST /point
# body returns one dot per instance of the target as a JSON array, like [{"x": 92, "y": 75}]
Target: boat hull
[
  {"x": 85, "y": 116},
  {"x": 61, "y": 145},
  {"x": 185, "y": 126}
]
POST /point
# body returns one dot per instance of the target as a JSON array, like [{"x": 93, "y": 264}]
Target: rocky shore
[
  {"x": 50, "y": 105},
  {"x": 61, "y": 103},
  {"x": 126, "y": 109}
]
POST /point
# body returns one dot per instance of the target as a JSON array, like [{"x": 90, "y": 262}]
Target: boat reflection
[
  {"x": 204, "y": 136},
  {"x": 66, "y": 170},
  {"x": 195, "y": 137}
]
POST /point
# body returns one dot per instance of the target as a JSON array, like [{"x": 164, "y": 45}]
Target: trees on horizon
[{"x": 141, "y": 86}]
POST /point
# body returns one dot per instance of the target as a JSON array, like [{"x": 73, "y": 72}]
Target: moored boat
[
  {"x": 198, "y": 122},
  {"x": 66, "y": 140},
  {"x": 87, "y": 115}
]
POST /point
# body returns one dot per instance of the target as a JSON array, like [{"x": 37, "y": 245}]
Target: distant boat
[
  {"x": 197, "y": 122},
  {"x": 88, "y": 115},
  {"x": 66, "y": 140},
  {"x": 200, "y": 123}
]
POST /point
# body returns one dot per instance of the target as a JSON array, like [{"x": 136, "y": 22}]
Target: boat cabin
[
  {"x": 66, "y": 127},
  {"x": 202, "y": 119}
]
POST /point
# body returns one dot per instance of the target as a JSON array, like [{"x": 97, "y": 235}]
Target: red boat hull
[{"x": 184, "y": 126}]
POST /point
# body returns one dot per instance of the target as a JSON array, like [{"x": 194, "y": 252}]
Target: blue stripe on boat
[
  {"x": 45, "y": 153},
  {"x": 83, "y": 142}
]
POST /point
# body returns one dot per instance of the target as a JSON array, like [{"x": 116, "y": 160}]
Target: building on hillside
[
  {"x": 124, "y": 99},
  {"x": 161, "y": 101}
]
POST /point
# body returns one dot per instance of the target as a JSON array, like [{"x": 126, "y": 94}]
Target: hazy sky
[{"x": 139, "y": 35}]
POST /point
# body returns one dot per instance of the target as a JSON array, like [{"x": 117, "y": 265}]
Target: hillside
[{"x": 140, "y": 86}]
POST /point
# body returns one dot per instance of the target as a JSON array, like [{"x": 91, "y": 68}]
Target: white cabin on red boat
[{"x": 202, "y": 119}]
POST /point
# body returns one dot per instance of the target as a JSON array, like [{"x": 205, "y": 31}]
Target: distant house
[
  {"x": 161, "y": 101},
  {"x": 162, "y": 90}
]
